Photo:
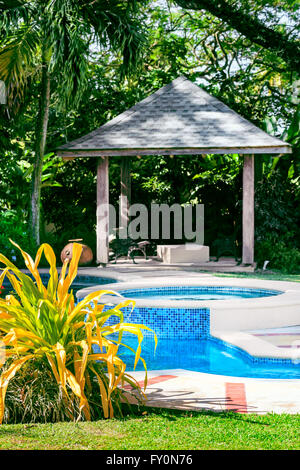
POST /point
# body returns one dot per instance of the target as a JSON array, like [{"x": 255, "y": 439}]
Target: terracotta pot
[{"x": 86, "y": 255}]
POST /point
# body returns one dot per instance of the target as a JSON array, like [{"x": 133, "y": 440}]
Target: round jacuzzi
[{"x": 197, "y": 293}]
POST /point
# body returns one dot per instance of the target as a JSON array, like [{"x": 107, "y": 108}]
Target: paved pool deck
[{"x": 188, "y": 390}]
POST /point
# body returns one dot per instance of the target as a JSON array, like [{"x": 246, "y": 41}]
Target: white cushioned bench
[{"x": 184, "y": 253}]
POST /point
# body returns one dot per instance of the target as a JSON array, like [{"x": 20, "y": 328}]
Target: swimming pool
[{"x": 202, "y": 326}]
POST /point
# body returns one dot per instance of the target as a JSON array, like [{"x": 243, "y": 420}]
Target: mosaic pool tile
[{"x": 169, "y": 322}]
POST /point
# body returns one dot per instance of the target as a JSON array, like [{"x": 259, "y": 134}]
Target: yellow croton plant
[{"x": 40, "y": 322}]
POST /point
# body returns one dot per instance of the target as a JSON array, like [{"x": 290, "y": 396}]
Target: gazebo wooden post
[
  {"x": 102, "y": 210},
  {"x": 248, "y": 210},
  {"x": 125, "y": 197}
]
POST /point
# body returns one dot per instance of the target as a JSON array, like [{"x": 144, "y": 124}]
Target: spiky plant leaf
[{"x": 43, "y": 324}]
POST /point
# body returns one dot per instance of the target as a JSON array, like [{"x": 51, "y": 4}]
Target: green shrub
[
  {"x": 34, "y": 397},
  {"x": 13, "y": 226},
  {"x": 280, "y": 255},
  {"x": 277, "y": 212}
]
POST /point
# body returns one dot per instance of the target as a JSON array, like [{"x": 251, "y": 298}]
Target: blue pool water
[
  {"x": 197, "y": 293},
  {"x": 80, "y": 282},
  {"x": 205, "y": 355}
]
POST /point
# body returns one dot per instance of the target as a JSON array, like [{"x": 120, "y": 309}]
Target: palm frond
[
  {"x": 17, "y": 59},
  {"x": 120, "y": 26},
  {"x": 14, "y": 11},
  {"x": 69, "y": 40}
]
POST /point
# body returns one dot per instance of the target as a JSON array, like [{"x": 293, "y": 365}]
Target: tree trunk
[
  {"x": 40, "y": 137},
  {"x": 251, "y": 27}
]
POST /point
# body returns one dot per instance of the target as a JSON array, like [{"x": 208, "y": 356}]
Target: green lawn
[{"x": 160, "y": 430}]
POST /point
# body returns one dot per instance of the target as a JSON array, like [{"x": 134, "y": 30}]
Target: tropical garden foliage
[
  {"x": 69, "y": 66},
  {"x": 50, "y": 369},
  {"x": 245, "y": 53}
]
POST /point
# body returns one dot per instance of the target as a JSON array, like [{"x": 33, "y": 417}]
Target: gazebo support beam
[
  {"x": 125, "y": 197},
  {"x": 102, "y": 210},
  {"x": 248, "y": 210}
]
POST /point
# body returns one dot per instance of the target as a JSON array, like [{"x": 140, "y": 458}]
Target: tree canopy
[
  {"x": 169, "y": 39},
  {"x": 270, "y": 24},
  {"x": 49, "y": 42}
]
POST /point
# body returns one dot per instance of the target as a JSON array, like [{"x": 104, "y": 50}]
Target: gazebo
[{"x": 178, "y": 119}]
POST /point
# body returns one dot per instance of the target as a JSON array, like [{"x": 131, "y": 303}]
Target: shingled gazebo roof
[{"x": 180, "y": 118}]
